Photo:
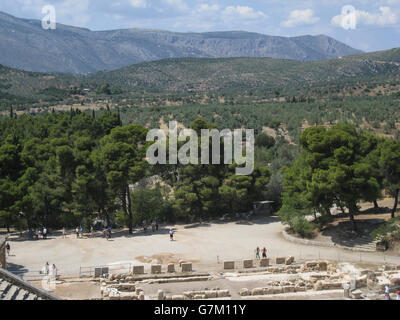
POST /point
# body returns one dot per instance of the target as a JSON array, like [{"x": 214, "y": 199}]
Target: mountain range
[{"x": 25, "y": 45}]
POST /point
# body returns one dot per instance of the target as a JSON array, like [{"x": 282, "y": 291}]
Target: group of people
[
  {"x": 154, "y": 226},
  {"x": 79, "y": 232},
  {"x": 40, "y": 233},
  {"x": 50, "y": 271},
  {"x": 263, "y": 252}
]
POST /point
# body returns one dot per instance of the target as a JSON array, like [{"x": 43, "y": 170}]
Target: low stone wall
[
  {"x": 307, "y": 242},
  {"x": 291, "y": 238}
]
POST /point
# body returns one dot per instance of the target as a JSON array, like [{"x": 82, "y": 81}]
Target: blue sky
[{"x": 377, "y": 24}]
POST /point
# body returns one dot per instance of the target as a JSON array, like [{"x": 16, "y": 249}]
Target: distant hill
[
  {"x": 202, "y": 77},
  {"x": 215, "y": 74},
  {"x": 25, "y": 45}
]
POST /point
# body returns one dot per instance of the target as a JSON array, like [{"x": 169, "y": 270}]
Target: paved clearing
[{"x": 203, "y": 244}]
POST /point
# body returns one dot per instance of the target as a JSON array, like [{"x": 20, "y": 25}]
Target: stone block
[
  {"x": 323, "y": 265},
  {"x": 178, "y": 297},
  {"x": 244, "y": 292},
  {"x": 156, "y": 269},
  {"x": 299, "y": 289},
  {"x": 257, "y": 292},
  {"x": 171, "y": 268},
  {"x": 277, "y": 290},
  {"x": 126, "y": 287},
  {"x": 211, "y": 294},
  {"x": 138, "y": 270},
  {"x": 228, "y": 265},
  {"x": 247, "y": 263},
  {"x": 264, "y": 262},
  {"x": 356, "y": 294},
  {"x": 311, "y": 264},
  {"x": 289, "y": 260},
  {"x": 280, "y": 260},
  {"x": 128, "y": 296},
  {"x": 223, "y": 293},
  {"x": 187, "y": 267}
]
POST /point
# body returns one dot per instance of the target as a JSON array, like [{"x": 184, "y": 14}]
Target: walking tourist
[
  {"x": 44, "y": 233},
  {"x": 171, "y": 234},
  {"x": 64, "y": 234},
  {"x": 257, "y": 253},
  {"x": 8, "y": 248},
  {"x": 92, "y": 231}
]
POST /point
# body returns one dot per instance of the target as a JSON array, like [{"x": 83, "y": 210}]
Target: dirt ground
[{"x": 207, "y": 245}]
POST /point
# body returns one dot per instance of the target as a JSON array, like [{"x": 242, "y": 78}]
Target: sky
[{"x": 362, "y": 24}]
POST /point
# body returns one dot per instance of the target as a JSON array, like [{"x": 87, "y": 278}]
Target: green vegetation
[
  {"x": 337, "y": 167},
  {"x": 326, "y": 135},
  {"x": 70, "y": 168}
]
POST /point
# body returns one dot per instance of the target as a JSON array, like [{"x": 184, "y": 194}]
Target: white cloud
[
  {"x": 207, "y": 8},
  {"x": 243, "y": 12},
  {"x": 385, "y": 17},
  {"x": 300, "y": 17},
  {"x": 138, "y": 3}
]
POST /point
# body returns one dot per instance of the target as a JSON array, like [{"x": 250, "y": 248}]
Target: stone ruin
[
  {"x": 324, "y": 276},
  {"x": 311, "y": 276}
]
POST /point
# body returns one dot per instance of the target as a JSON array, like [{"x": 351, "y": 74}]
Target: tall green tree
[{"x": 390, "y": 166}]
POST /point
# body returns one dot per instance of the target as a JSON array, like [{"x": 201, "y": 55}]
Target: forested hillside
[{"x": 205, "y": 81}]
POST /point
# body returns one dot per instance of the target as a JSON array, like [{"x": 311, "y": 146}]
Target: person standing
[
  {"x": 46, "y": 269},
  {"x": 92, "y": 231},
  {"x": 54, "y": 271},
  {"x": 77, "y": 232},
  {"x": 171, "y": 234},
  {"x": 81, "y": 231},
  {"x": 64, "y": 234},
  {"x": 8, "y": 248},
  {"x": 257, "y": 253},
  {"x": 44, "y": 233},
  {"x": 156, "y": 226},
  {"x": 264, "y": 252}
]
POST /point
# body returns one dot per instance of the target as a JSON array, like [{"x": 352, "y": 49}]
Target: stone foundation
[
  {"x": 138, "y": 270},
  {"x": 228, "y": 265},
  {"x": 156, "y": 269}
]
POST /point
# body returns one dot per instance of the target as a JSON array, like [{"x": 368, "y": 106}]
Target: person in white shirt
[{"x": 54, "y": 271}]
